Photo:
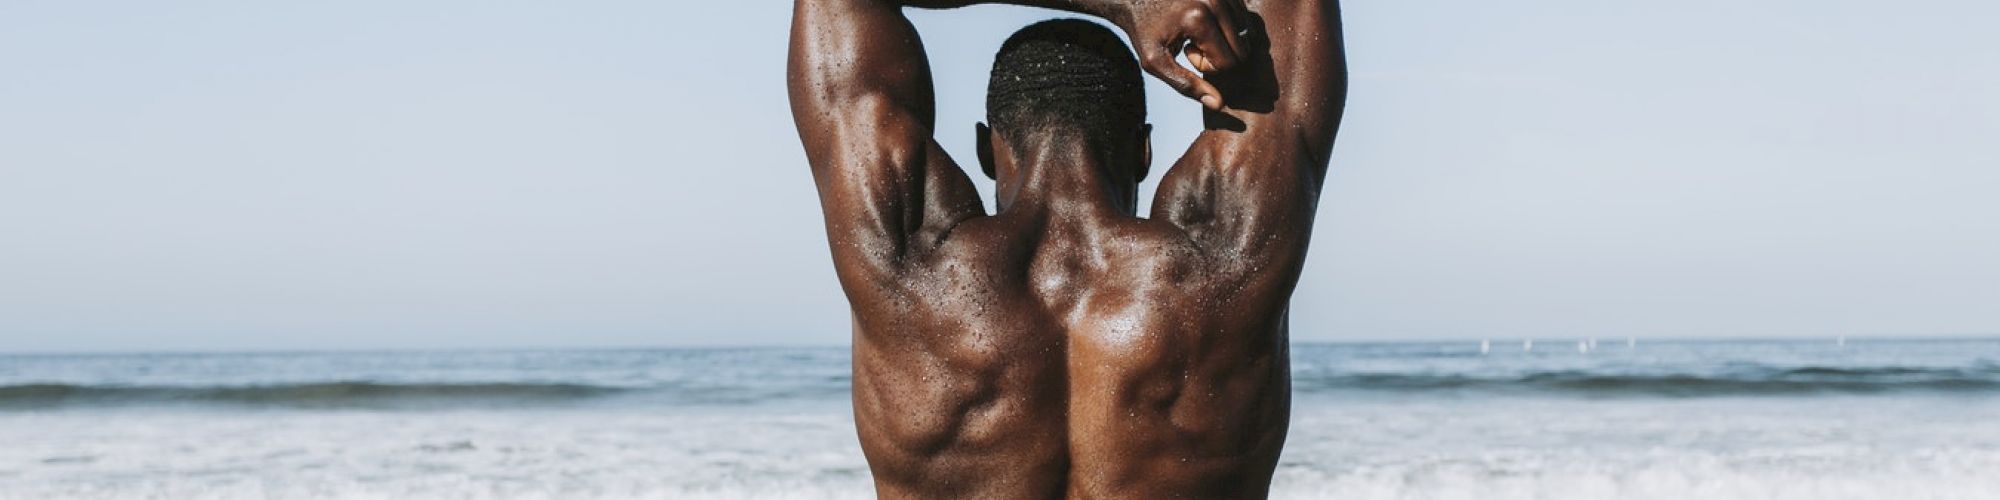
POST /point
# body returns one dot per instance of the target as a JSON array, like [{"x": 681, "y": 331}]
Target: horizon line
[{"x": 816, "y": 346}]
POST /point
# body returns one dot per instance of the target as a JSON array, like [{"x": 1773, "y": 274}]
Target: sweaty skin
[{"x": 1064, "y": 347}]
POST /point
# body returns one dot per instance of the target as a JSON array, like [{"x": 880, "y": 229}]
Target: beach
[{"x": 1563, "y": 419}]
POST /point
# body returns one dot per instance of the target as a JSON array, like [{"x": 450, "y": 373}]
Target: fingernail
[{"x": 1211, "y": 102}]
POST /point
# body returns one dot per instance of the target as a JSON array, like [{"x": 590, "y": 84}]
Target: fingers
[
  {"x": 1240, "y": 22},
  {"x": 1233, "y": 20},
  {"x": 1227, "y": 21},
  {"x": 1161, "y": 63},
  {"x": 1210, "y": 34}
]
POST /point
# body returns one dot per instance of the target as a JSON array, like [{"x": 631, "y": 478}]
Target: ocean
[{"x": 1568, "y": 419}]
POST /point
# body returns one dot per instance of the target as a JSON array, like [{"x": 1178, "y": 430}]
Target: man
[{"x": 1064, "y": 347}]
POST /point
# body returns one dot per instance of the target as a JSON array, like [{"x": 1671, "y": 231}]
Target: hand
[{"x": 1205, "y": 29}]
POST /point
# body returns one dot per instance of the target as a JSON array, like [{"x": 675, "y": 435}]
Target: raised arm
[
  {"x": 861, "y": 97},
  {"x": 1248, "y": 187}
]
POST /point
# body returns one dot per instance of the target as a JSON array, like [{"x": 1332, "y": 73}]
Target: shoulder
[{"x": 1155, "y": 251}]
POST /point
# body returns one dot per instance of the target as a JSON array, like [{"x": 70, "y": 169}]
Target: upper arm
[
  {"x": 861, "y": 97},
  {"x": 1248, "y": 187}
]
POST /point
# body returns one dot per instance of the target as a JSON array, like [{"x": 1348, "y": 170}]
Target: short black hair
[{"x": 1066, "y": 75}]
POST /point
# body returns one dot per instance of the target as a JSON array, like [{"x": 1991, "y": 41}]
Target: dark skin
[{"x": 1065, "y": 347}]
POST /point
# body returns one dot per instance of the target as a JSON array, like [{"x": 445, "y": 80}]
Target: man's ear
[
  {"x": 1145, "y": 152},
  {"x": 985, "y": 147}
]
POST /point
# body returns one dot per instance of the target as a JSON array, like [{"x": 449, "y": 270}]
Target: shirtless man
[{"x": 1065, "y": 347}]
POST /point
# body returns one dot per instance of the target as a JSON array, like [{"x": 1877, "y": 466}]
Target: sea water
[{"x": 1600, "y": 420}]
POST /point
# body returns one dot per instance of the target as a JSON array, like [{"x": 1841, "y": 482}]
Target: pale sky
[{"x": 203, "y": 175}]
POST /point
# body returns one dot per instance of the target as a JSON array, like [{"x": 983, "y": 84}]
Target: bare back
[
  {"x": 1111, "y": 365},
  {"x": 1042, "y": 353}
]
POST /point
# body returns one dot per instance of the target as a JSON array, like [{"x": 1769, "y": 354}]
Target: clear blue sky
[{"x": 459, "y": 174}]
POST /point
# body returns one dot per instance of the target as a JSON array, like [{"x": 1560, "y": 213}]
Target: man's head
[{"x": 1066, "y": 83}]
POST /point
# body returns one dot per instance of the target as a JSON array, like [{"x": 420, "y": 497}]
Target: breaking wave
[
  {"x": 1743, "y": 381},
  {"x": 307, "y": 395}
]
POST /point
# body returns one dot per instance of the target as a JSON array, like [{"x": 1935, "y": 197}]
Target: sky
[{"x": 369, "y": 174}]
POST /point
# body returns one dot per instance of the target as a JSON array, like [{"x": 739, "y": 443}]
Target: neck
[{"x": 1065, "y": 179}]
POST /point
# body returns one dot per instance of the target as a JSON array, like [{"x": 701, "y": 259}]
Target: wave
[
  {"x": 1731, "y": 381},
  {"x": 1756, "y": 381},
  {"x": 305, "y": 395}
]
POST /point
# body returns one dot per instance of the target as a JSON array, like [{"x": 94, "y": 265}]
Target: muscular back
[
  {"x": 1054, "y": 352},
  {"x": 1026, "y": 358}
]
